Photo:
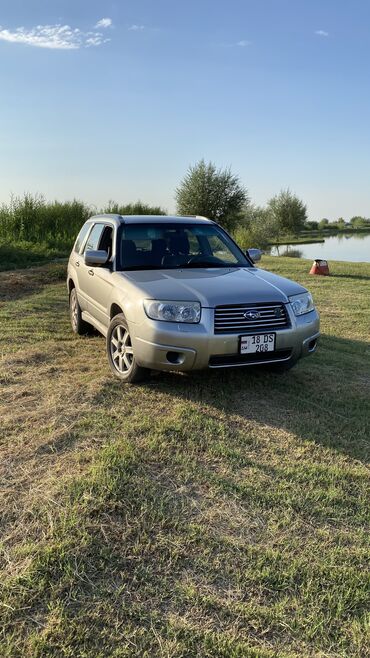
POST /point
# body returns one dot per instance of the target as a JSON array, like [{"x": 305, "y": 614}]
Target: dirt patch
[{"x": 18, "y": 283}]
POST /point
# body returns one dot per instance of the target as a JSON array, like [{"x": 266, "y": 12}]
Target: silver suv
[{"x": 177, "y": 293}]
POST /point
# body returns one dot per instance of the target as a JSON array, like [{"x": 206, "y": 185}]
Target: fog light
[{"x": 174, "y": 357}]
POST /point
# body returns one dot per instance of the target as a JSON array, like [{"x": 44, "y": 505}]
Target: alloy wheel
[{"x": 121, "y": 349}]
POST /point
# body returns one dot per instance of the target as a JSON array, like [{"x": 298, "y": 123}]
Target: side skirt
[{"x": 95, "y": 323}]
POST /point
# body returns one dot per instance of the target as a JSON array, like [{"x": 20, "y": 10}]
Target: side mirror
[
  {"x": 96, "y": 257},
  {"x": 254, "y": 254}
]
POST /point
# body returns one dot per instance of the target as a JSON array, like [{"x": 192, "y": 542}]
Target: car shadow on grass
[
  {"x": 358, "y": 277},
  {"x": 325, "y": 399}
]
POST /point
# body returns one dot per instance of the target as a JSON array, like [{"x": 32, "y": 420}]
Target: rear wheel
[
  {"x": 120, "y": 352},
  {"x": 79, "y": 326}
]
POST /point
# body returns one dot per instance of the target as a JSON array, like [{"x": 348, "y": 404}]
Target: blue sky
[{"x": 118, "y": 108}]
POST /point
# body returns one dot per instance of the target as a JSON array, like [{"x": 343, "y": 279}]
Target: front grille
[
  {"x": 233, "y": 319},
  {"x": 245, "y": 359}
]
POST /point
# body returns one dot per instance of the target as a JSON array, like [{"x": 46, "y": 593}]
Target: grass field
[{"x": 223, "y": 514}]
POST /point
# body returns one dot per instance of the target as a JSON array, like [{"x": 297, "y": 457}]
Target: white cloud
[
  {"x": 57, "y": 37},
  {"x": 104, "y": 22},
  {"x": 243, "y": 43},
  {"x": 322, "y": 33},
  {"x": 135, "y": 28}
]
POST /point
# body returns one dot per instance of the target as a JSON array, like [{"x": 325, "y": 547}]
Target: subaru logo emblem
[{"x": 252, "y": 315}]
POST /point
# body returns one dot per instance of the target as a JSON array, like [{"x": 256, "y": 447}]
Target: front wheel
[{"x": 120, "y": 352}]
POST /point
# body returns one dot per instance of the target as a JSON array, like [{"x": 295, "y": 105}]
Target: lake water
[{"x": 338, "y": 247}]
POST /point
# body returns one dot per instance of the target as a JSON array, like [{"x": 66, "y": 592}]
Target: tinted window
[
  {"x": 169, "y": 246},
  {"x": 94, "y": 238},
  {"x": 81, "y": 237},
  {"x": 106, "y": 240}
]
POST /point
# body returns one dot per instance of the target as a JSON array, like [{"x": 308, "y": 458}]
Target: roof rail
[{"x": 195, "y": 216}]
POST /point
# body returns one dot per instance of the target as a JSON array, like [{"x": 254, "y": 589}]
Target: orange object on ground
[{"x": 320, "y": 267}]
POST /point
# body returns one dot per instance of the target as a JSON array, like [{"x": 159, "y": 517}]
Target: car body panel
[
  {"x": 213, "y": 286},
  {"x": 103, "y": 291}
]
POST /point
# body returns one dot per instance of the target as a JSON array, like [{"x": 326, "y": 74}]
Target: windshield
[{"x": 171, "y": 246}]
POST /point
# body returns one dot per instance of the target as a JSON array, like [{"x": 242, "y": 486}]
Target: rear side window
[
  {"x": 81, "y": 237},
  {"x": 94, "y": 238}
]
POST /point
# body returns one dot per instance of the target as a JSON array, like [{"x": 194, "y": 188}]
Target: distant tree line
[
  {"x": 204, "y": 190},
  {"x": 220, "y": 195}
]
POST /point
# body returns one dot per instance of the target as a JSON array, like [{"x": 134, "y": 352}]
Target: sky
[{"x": 114, "y": 100}]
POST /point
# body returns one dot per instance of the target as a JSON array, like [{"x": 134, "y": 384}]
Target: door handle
[
  {"x": 77, "y": 263},
  {"x": 91, "y": 272}
]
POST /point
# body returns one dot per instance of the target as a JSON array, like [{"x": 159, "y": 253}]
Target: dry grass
[{"x": 217, "y": 515}]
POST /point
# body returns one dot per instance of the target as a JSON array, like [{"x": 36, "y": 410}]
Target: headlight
[
  {"x": 172, "y": 311},
  {"x": 302, "y": 303}
]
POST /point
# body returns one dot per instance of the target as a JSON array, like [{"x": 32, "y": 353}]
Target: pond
[{"x": 348, "y": 247}]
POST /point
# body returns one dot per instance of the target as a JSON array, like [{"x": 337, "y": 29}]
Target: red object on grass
[{"x": 320, "y": 267}]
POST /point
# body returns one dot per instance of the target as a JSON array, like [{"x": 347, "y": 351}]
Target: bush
[
  {"x": 31, "y": 219},
  {"x": 311, "y": 225},
  {"x": 292, "y": 253},
  {"x": 288, "y": 211},
  {"x": 323, "y": 223},
  {"x": 258, "y": 228},
  {"x": 358, "y": 222},
  {"x": 137, "y": 208}
]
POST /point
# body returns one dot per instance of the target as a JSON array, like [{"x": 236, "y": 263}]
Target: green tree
[
  {"x": 288, "y": 213},
  {"x": 358, "y": 222},
  {"x": 341, "y": 224},
  {"x": 323, "y": 223},
  {"x": 211, "y": 192},
  {"x": 312, "y": 225}
]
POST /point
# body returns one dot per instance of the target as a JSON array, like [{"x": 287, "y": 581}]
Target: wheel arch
[
  {"x": 115, "y": 309},
  {"x": 71, "y": 284}
]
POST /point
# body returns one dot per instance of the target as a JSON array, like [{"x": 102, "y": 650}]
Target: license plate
[{"x": 257, "y": 343}]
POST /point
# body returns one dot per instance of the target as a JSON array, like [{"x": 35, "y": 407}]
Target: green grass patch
[
  {"x": 22, "y": 254},
  {"x": 217, "y": 514}
]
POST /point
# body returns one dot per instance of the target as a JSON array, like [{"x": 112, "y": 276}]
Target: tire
[
  {"x": 120, "y": 352},
  {"x": 79, "y": 326}
]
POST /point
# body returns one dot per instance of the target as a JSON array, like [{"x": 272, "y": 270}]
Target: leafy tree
[
  {"x": 288, "y": 212},
  {"x": 341, "y": 224},
  {"x": 211, "y": 192},
  {"x": 323, "y": 223},
  {"x": 358, "y": 222},
  {"x": 312, "y": 225}
]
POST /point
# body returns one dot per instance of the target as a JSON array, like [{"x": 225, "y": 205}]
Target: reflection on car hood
[{"x": 213, "y": 287}]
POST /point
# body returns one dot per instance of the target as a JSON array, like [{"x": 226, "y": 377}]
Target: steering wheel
[{"x": 199, "y": 258}]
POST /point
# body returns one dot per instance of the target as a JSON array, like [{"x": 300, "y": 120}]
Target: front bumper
[{"x": 171, "y": 346}]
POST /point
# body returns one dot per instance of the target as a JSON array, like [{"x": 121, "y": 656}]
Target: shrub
[
  {"x": 323, "y": 223},
  {"x": 137, "y": 208},
  {"x": 31, "y": 219},
  {"x": 288, "y": 211}
]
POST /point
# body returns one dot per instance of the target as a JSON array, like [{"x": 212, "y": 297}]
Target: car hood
[{"x": 213, "y": 287}]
